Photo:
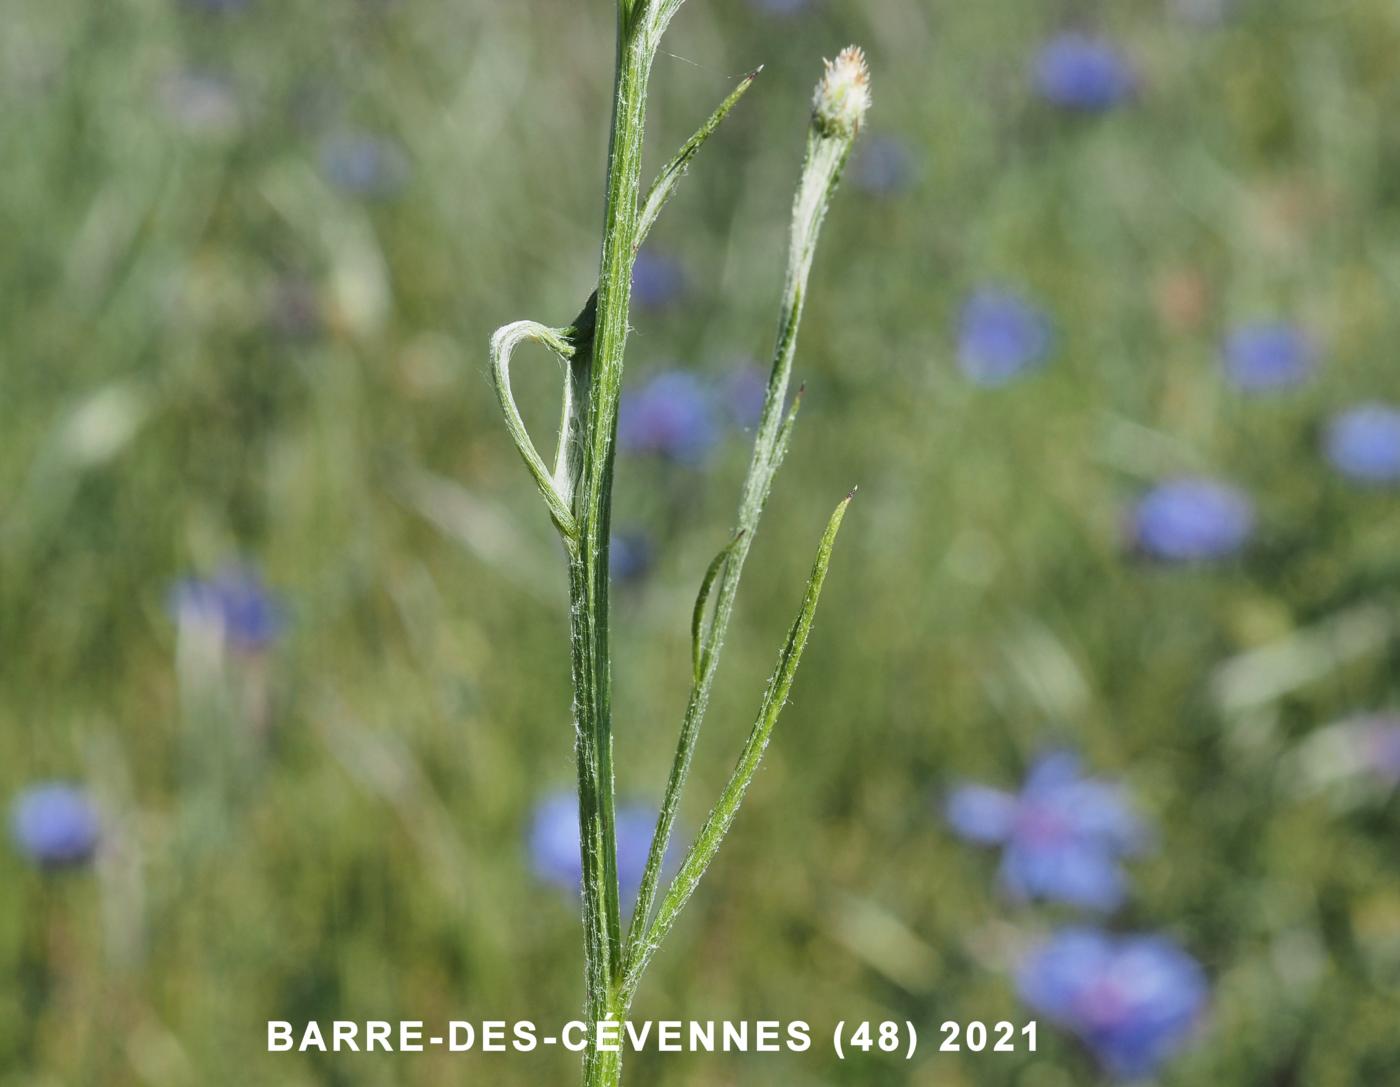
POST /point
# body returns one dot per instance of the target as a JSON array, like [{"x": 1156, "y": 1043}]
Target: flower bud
[{"x": 843, "y": 95}]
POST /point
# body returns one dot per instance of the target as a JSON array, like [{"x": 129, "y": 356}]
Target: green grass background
[{"x": 154, "y": 420}]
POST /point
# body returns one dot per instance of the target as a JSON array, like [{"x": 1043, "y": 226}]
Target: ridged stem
[{"x": 588, "y": 567}]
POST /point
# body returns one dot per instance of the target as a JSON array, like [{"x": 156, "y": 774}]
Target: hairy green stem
[
  {"x": 588, "y": 565},
  {"x": 577, "y": 490}
]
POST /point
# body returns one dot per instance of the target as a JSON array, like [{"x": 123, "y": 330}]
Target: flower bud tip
[{"x": 843, "y": 95}]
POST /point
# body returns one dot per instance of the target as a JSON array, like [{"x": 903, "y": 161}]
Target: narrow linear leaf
[
  {"x": 666, "y": 181},
  {"x": 579, "y": 334},
  {"x": 705, "y": 642},
  {"x": 780, "y": 444},
  {"x": 662, "y": 12},
  {"x": 722, "y": 815},
  {"x": 697, "y": 621},
  {"x": 552, "y": 485}
]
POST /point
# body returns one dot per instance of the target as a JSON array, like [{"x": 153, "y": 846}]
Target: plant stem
[
  {"x": 578, "y": 493},
  {"x": 588, "y": 566}
]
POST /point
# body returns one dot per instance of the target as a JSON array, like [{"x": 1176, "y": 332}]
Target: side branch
[
  {"x": 722, "y": 814},
  {"x": 839, "y": 105}
]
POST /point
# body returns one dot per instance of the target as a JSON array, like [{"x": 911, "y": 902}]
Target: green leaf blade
[
  {"x": 664, "y": 187},
  {"x": 722, "y": 815}
]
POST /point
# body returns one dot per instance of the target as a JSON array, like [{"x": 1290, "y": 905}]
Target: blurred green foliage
[{"x": 210, "y": 351}]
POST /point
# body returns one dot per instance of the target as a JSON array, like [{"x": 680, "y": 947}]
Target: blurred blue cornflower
[
  {"x": 1191, "y": 519},
  {"x": 1363, "y": 443},
  {"x": 363, "y": 165},
  {"x": 55, "y": 824},
  {"x": 233, "y": 604},
  {"x": 743, "y": 391},
  {"x": 1267, "y": 355},
  {"x": 1076, "y": 71},
  {"x": 1351, "y": 754},
  {"x": 1062, "y": 835},
  {"x": 781, "y": 7},
  {"x": 657, "y": 279},
  {"x": 630, "y": 555},
  {"x": 1382, "y": 747},
  {"x": 554, "y": 843},
  {"x": 672, "y": 415},
  {"x": 1367, "y": 743},
  {"x": 1132, "y": 1000},
  {"x": 882, "y": 166},
  {"x": 1001, "y": 335}
]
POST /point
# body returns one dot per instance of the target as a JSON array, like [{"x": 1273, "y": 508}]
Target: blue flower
[
  {"x": 672, "y": 415},
  {"x": 1062, "y": 835},
  {"x": 1001, "y": 335},
  {"x": 1191, "y": 519},
  {"x": 882, "y": 166},
  {"x": 554, "y": 843},
  {"x": 1267, "y": 355},
  {"x": 657, "y": 280},
  {"x": 1363, "y": 443},
  {"x": 1366, "y": 743},
  {"x": 55, "y": 824},
  {"x": 630, "y": 556},
  {"x": 363, "y": 165},
  {"x": 1381, "y": 745},
  {"x": 233, "y": 604},
  {"x": 1132, "y": 1000},
  {"x": 781, "y": 7},
  {"x": 1079, "y": 72}
]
